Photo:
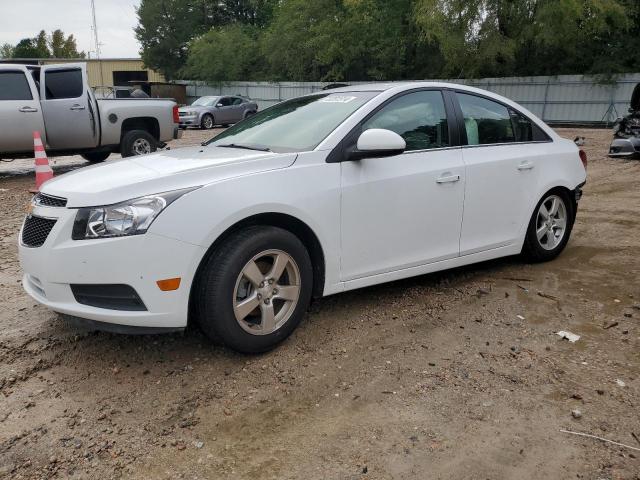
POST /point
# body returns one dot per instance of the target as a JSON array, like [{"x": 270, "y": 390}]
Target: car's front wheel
[
  {"x": 550, "y": 227},
  {"x": 207, "y": 122},
  {"x": 254, "y": 289}
]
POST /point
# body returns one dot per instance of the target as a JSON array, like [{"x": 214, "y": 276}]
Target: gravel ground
[{"x": 456, "y": 375}]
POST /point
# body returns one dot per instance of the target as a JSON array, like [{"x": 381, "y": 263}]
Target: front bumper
[
  {"x": 625, "y": 147},
  {"x": 138, "y": 261},
  {"x": 189, "y": 121}
]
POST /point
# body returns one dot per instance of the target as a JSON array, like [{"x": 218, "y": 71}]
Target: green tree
[
  {"x": 25, "y": 48},
  {"x": 6, "y": 50},
  {"x": 225, "y": 53},
  {"x": 519, "y": 37},
  {"x": 42, "y": 45},
  {"x": 167, "y": 27}
]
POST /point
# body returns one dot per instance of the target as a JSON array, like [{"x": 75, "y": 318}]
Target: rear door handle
[
  {"x": 28, "y": 110},
  {"x": 77, "y": 107},
  {"x": 526, "y": 166},
  {"x": 448, "y": 179}
]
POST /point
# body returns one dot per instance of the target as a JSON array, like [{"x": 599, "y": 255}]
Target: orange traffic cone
[{"x": 43, "y": 169}]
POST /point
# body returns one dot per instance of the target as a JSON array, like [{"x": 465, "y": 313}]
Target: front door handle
[
  {"x": 77, "y": 107},
  {"x": 28, "y": 110},
  {"x": 448, "y": 179},
  {"x": 526, "y": 166}
]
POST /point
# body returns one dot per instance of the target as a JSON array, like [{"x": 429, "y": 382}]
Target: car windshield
[
  {"x": 296, "y": 125},
  {"x": 205, "y": 102}
]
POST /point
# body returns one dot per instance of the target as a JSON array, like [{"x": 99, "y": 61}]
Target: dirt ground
[{"x": 456, "y": 375}]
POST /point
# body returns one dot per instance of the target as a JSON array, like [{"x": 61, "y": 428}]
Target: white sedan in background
[{"x": 314, "y": 196}]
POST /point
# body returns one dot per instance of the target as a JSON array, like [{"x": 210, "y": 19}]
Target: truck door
[
  {"x": 20, "y": 113},
  {"x": 69, "y": 113}
]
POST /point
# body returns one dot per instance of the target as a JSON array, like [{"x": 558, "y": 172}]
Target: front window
[
  {"x": 296, "y": 125},
  {"x": 14, "y": 86},
  {"x": 418, "y": 117},
  {"x": 205, "y": 102}
]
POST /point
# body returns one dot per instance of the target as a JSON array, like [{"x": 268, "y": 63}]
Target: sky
[{"x": 116, "y": 19}]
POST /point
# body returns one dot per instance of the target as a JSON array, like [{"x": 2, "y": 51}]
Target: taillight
[
  {"x": 176, "y": 117},
  {"x": 583, "y": 158}
]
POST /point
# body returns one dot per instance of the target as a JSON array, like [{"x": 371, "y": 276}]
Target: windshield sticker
[{"x": 337, "y": 99}]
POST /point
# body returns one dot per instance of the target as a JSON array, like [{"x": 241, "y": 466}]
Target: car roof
[{"x": 383, "y": 86}]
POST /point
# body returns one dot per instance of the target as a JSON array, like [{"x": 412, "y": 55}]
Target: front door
[
  {"x": 406, "y": 210},
  {"x": 69, "y": 114},
  {"x": 20, "y": 113}
]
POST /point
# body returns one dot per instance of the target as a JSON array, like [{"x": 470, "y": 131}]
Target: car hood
[
  {"x": 119, "y": 180},
  {"x": 194, "y": 108}
]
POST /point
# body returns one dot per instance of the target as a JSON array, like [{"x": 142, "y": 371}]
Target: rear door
[
  {"x": 238, "y": 107},
  {"x": 224, "y": 111},
  {"x": 501, "y": 155},
  {"x": 69, "y": 115},
  {"x": 20, "y": 113}
]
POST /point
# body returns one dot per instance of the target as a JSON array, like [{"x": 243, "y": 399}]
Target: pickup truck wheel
[
  {"x": 207, "y": 122},
  {"x": 137, "y": 142},
  {"x": 255, "y": 289},
  {"x": 95, "y": 157}
]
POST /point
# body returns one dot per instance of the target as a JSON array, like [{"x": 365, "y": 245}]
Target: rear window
[
  {"x": 14, "y": 86},
  {"x": 63, "y": 84},
  {"x": 486, "y": 122}
]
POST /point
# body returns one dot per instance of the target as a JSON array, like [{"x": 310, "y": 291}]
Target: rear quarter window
[{"x": 14, "y": 86}]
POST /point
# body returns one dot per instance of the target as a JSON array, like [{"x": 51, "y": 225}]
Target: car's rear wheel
[
  {"x": 207, "y": 122},
  {"x": 137, "y": 142},
  {"x": 96, "y": 157},
  {"x": 550, "y": 227},
  {"x": 254, "y": 290}
]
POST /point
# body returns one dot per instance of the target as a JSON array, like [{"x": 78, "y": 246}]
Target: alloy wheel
[
  {"x": 266, "y": 292},
  {"x": 551, "y": 222}
]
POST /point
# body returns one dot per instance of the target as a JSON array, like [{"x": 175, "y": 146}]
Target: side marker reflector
[{"x": 169, "y": 284}]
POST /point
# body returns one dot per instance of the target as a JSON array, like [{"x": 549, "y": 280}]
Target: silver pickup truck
[{"x": 57, "y": 101}]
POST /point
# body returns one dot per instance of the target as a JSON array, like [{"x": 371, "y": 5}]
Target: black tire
[
  {"x": 131, "y": 140},
  {"x": 249, "y": 114},
  {"x": 219, "y": 276},
  {"x": 532, "y": 249},
  {"x": 207, "y": 122},
  {"x": 96, "y": 157}
]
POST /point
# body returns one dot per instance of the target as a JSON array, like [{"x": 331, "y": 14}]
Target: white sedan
[{"x": 314, "y": 196}]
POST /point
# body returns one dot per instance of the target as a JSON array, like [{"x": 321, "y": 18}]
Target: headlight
[{"x": 132, "y": 217}]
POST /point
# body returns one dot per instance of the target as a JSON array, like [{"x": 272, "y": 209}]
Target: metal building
[{"x": 106, "y": 72}]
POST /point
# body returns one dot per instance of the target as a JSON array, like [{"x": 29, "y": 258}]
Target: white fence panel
[{"x": 560, "y": 99}]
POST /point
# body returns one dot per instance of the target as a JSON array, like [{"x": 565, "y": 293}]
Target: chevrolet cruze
[{"x": 314, "y": 196}]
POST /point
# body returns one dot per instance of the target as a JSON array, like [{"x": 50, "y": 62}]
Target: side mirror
[
  {"x": 219, "y": 105},
  {"x": 378, "y": 142}
]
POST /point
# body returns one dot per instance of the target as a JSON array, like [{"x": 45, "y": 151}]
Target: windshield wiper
[{"x": 246, "y": 147}]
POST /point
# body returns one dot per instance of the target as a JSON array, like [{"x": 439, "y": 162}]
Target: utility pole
[{"x": 95, "y": 39}]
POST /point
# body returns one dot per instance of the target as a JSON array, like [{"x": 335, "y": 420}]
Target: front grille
[
  {"x": 50, "y": 201},
  {"x": 36, "y": 230}
]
